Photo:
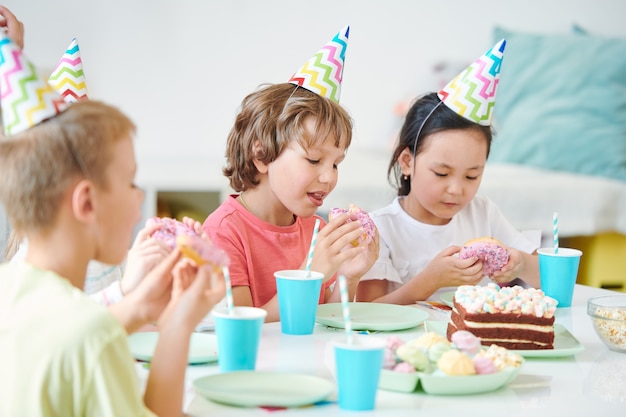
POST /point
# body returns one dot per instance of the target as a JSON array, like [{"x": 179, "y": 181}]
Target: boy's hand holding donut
[{"x": 334, "y": 246}]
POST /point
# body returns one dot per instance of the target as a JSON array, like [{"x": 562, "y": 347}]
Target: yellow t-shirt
[{"x": 61, "y": 354}]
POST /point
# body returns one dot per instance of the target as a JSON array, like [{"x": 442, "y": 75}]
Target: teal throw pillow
[{"x": 561, "y": 103}]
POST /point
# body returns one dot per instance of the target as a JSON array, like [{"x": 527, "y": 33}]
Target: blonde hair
[
  {"x": 37, "y": 166},
  {"x": 271, "y": 118},
  {"x": 13, "y": 244}
]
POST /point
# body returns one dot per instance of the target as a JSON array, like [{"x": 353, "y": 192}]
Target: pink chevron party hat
[
  {"x": 26, "y": 99},
  {"x": 472, "y": 94},
  {"x": 68, "y": 77},
  {"x": 322, "y": 74}
]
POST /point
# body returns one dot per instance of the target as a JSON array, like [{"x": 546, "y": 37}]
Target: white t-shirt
[{"x": 407, "y": 245}]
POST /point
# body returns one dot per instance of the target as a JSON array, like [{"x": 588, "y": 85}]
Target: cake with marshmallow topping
[{"x": 512, "y": 317}]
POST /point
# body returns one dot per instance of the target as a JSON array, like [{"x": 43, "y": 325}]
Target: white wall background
[{"x": 180, "y": 68}]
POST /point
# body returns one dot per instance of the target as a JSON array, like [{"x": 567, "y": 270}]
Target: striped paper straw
[
  {"x": 555, "y": 230},
  {"x": 345, "y": 304},
  {"x": 229, "y": 290},
  {"x": 312, "y": 248}
]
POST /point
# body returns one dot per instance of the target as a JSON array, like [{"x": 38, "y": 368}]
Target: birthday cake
[{"x": 512, "y": 317}]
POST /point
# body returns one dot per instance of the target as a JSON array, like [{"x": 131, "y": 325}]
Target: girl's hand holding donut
[
  {"x": 513, "y": 269},
  {"x": 447, "y": 270}
]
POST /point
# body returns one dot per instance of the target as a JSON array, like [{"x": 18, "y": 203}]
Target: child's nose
[
  {"x": 454, "y": 187},
  {"x": 328, "y": 175}
]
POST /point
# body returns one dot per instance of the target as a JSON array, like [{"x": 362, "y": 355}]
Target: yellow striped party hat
[
  {"x": 322, "y": 74},
  {"x": 25, "y": 98},
  {"x": 68, "y": 78},
  {"x": 472, "y": 94}
]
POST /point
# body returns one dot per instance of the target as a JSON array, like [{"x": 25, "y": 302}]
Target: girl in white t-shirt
[{"x": 437, "y": 167}]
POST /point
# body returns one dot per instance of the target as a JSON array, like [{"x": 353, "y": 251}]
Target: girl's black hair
[{"x": 426, "y": 116}]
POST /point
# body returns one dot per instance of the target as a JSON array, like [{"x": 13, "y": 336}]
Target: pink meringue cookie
[
  {"x": 405, "y": 368},
  {"x": 484, "y": 365},
  {"x": 393, "y": 342},
  {"x": 466, "y": 342}
]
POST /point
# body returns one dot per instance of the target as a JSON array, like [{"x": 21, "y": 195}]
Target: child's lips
[{"x": 317, "y": 198}]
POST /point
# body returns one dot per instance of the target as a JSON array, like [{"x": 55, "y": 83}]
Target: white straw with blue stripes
[
  {"x": 312, "y": 248},
  {"x": 555, "y": 230},
  {"x": 229, "y": 291},
  {"x": 345, "y": 304}
]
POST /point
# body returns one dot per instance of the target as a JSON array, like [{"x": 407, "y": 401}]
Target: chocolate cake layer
[
  {"x": 512, "y": 331},
  {"x": 513, "y": 345}
]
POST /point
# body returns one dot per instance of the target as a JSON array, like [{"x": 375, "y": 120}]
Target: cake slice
[{"x": 512, "y": 317}]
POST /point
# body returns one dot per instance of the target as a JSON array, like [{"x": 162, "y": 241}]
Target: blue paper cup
[
  {"x": 298, "y": 296},
  {"x": 357, "y": 370},
  {"x": 238, "y": 336},
  {"x": 558, "y": 273}
]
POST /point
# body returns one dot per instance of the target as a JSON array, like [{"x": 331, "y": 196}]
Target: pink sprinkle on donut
[
  {"x": 492, "y": 254},
  {"x": 169, "y": 229},
  {"x": 361, "y": 215}
]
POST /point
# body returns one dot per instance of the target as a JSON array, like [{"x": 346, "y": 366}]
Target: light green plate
[
  {"x": 565, "y": 344},
  {"x": 440, "y": 384},
  {"x": 258, "y": 388},
  {"x": 202, "y": 347},
  {"x": 448, "y": 298},
  {"x": 398, "y": 381},
  {"x": 371, "y": 316}
]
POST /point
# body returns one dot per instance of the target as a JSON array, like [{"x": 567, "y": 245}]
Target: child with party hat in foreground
[
  {"x": 68, "y": 173},
  {"x": 106, "y": 284},
  {"x": 438, "y": 164},
  {"x": 282, "y": 156}
]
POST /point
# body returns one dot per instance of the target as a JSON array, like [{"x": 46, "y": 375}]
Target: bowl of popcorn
[
  {"x": 608, "y": 315},
  {"x": 458, "y": 367}
]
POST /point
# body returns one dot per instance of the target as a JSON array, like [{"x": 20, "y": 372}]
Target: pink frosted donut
[
  {"x": 202, "y": 251},
  {"x": 493, "y": 254},
  {"x": 169, "y": 229},
  {"x": 365, "y": 220}
]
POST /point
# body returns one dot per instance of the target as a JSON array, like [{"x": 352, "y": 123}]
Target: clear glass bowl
[{"x": 608, "y": 315}]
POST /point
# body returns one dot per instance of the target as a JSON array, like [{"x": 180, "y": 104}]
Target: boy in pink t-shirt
[{"x": 282, "y": 155}]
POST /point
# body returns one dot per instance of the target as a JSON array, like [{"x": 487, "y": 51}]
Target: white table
[{"x": 590, "y": 383}]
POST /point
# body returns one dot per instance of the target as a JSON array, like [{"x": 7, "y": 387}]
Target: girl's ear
[
  {"x": 256, "y": 150},
  {"x": 406, "y": 160},
  {"x": 83, "y": 201}
]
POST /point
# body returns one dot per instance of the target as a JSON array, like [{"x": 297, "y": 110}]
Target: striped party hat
[
  {"x": 322, "y": 74},
  {"x": 26, "y": 99},
  {"x": 68, "y": 77},
  {"x": 472, "y": 94}
]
